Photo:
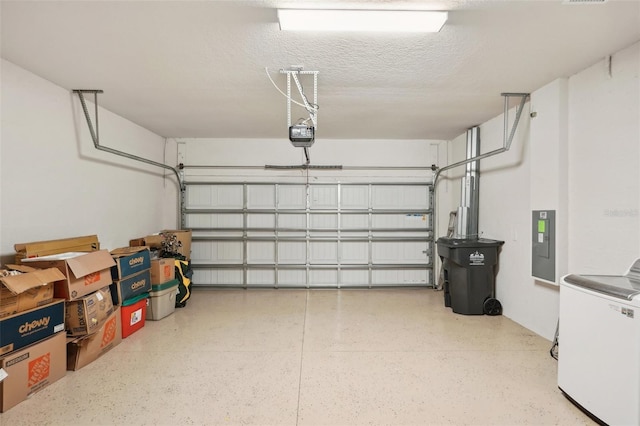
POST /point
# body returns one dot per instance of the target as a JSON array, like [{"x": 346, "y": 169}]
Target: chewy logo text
[
  {"x": 136, "y": 260},
  {"x": 30, "y": 326}
]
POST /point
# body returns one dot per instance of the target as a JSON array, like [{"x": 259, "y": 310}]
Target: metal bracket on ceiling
[
  {"x": 95, "y": 135},
  {"x": 312, "y": 109},
  {"x": 508, "y": 135}
]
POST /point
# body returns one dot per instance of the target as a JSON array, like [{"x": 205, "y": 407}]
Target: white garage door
[{"x": 271, "y": 234}]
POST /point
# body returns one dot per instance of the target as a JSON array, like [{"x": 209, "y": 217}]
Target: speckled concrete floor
[{"x": 319, "y": 357}]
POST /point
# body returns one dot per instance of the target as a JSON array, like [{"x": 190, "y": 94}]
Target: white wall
[
  {"x": 347, "y": 153},
  {"x": 604, "y": 171},
  {"x": 580, "y": 156},
  {"x": 55, "y": 184}
]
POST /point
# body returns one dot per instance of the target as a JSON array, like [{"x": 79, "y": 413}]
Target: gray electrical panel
[{"x": 543, "y": 245}]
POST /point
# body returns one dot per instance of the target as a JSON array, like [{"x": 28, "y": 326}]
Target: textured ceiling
[{"x": 197, "y": 68}]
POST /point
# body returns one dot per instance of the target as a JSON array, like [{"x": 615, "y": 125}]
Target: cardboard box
[
  {"x": 155, "y": 241},
  {"x": 162, "y": 300},
  {"x": 84, "y": 272},
  {"x": 87, "y": 314},
  {"x": 130, "y": 287},
  {"x": 32, "y": 369},
  {"x": 24, "y": 328},
  {"x": 162, "y": 270},
  {"x": 32, "y": 288},
  {"x": 84, "y": 350},
  {"x": 129, "y": 261},
  {"x": 44, "y": 248}
]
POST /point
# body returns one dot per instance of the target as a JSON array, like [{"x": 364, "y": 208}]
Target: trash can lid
[{"x": 469, "y": 242}]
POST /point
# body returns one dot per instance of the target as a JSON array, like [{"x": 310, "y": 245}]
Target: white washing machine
[{"x": 599, "y": 344}]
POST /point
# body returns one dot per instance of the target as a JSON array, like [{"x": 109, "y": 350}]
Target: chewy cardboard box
[
  {"x": 130, "y": 287},
  {"x": 84, "y": 272},
  {"x": 30, "y": 289},
  {"x": 84, "y": 350},
  {"x": 24, "y": 328},
  {"x": 32, "y": 369},
  {"x": 162, "y": 270},
  {"x": 87, "y": 314},
  {"x": 65, "y": 245},
  {"x": 129, "y": 261}
]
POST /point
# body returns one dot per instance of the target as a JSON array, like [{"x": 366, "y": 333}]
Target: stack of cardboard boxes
[
  {"x": 98, "y": 297},
  {"x": 176, "y": 244},
  {"x": 91, "y": 316},
  {"x": 131, "y": 285},
  {"x": 32, "y": 338},
  {"x": 164, "y": 286}
]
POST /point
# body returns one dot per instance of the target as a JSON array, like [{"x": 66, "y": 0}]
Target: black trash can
[{"x": 469, "y": 275}]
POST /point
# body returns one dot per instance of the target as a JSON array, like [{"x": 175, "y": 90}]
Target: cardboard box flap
[
  {"x": 126, "y": 251},
  {"x": 21, "y": 268},
  {"x": 90, "y": 262},
  {"x": 20, "y": 283},
  {"x": 154, "y": 241}
]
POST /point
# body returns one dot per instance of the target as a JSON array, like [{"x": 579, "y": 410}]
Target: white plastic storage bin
[{"x": 162, "y": 300}]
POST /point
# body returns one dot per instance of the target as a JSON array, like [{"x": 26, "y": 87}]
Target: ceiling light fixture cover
[{"x": 361, "y": 20}]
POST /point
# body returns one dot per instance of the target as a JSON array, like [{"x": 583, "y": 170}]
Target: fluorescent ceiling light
[{"x": 361, "y": 20}]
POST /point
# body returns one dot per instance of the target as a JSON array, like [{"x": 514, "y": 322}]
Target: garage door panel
[
  {"x": 324, "y": 221},
  {"x": 399, "y": 197},
  {"x": 354, "y": 197},
  {"x": 292, "y": 278},
  {"x": 399, "y": 252},
  {"x": 261, "y": 220},
  {"x": 354, "y": 278},
  {"x": 292, "y": 252},
  {"x": 292, "y": 221},
  {"x": 218, "y": 277},
  {"x": 323, "y": 277},
  {"x": 221, "y": 252},
  {"x": 292, "y": 197},
  {"x": 261, "y": 278},
  {"x": 399, "y": 221},
  {"x": 263, "y": 252},
  {"x": 323, "y": 252},
  {"x": 400, "y": 277},
  {"x": 221, "y": 196},
  {"x": 323, "y": 197},
  {"x": 354, "y": 221},
  {"x": 354, "y": 252},
  {"x": 261, "y": 196},
  {"x": 316, "y": 235},
  {"x": 215, "y": 220}
]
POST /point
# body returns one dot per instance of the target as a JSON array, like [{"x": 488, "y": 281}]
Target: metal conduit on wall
[{"x": 95, "y": 136}]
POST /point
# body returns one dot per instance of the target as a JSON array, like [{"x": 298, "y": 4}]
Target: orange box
[
  {"x": 162, "y": 270},
  {"x": 84, "y": 272},
  {"x": 134, "y": 312},
  {"x": 31, "y": 369}
]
